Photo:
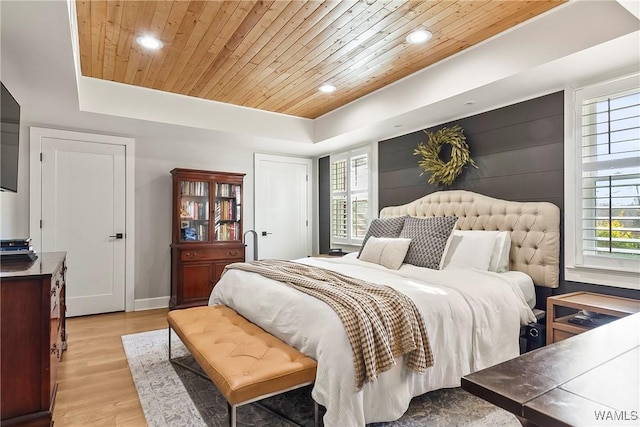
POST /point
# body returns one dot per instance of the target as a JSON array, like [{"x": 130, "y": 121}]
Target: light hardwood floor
[{"x": 95, "y": 387}]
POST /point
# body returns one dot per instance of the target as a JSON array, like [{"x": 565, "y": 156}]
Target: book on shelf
[
  {"x": 231, "y": 191},
  {"x": 194, "y": 188}
]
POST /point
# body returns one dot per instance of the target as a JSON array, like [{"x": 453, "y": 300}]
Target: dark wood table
[{"x": 574, "y": 382}]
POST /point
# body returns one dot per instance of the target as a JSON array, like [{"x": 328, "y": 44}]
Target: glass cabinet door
[
  {"x": 194, "y": 211},
  {"x": 227, "y": 212}
]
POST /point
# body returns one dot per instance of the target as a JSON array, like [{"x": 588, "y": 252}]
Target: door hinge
[
  {"x": 307, "y": 222},
  {"x": 40, "y": 223},
  {"x": 40, "y": 156},
  {"x": 306, "y": 177}
]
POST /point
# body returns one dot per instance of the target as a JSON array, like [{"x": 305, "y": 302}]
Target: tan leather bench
[{"x": 244, "y": 362}]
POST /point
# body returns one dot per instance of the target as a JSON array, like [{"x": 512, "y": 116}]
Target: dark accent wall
[
  {"x": 519, "y": 150},
  {"x": 324, "y": 211}
]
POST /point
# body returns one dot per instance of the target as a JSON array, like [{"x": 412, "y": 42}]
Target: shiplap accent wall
[
  {"x": 518, "y": 150},
  {"x": 324, "y": 196}
]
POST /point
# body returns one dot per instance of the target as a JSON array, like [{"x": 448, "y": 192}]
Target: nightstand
[{"x": 559, "y": 328}]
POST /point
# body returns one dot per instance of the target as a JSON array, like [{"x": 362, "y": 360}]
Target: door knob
[
  {"x": 264, "y": 233},
  {"x": 118, "y": 235}
]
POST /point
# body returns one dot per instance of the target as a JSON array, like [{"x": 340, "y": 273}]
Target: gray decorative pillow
[
  {"x": 383, "y": 227},
  {"x": 428, "y": 239}
]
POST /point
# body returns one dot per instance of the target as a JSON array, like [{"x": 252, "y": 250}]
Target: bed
[{"x": 472, "y": 317}]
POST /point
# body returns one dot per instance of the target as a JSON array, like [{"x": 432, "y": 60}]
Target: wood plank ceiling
[{"x": 273, "y": 55}]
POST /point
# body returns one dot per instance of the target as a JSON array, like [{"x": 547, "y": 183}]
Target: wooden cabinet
[
  {"x": 559, "y": 325},
  {"x": 206, "y": 232},
  {"x": 33, "y": 337}
]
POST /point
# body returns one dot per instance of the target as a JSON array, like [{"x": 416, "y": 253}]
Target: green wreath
[{"x": 441, "y": 172}]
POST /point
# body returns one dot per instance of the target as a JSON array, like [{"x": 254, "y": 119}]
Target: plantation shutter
[
  {"x": 339, "y": 219},
  {"x": 359, "y": 186},
  {"x": 610, "y": 182},
  {"x": 350, "y": 207}
]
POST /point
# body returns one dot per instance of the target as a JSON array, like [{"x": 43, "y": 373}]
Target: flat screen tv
[{"x": 9, "y": 138}]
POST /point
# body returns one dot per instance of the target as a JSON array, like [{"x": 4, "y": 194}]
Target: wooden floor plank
[{"x": 95, "y": 386}]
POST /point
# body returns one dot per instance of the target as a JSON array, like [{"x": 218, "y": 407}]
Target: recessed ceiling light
[
  {"x": 327, "y": 88},
  {"x": 149, "y": 42},
  {"x": 419, "y": 36}
]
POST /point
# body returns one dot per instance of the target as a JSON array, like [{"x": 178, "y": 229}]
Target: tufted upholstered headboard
[{"x": 534, "y": 227}]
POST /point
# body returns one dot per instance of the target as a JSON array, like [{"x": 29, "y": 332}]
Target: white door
[
  {"x": 83, "y": 213},
  {"x": 282, "y": 206}
]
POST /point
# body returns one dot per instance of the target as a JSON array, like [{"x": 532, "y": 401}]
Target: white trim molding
[
  {"x": 151, "y": 303},
  {"x": 615, "y": 272}
]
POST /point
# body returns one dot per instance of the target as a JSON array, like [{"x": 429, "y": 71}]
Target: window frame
[
  {"x": 593, "y": 269},
  {"x": 348, "y": 156}
]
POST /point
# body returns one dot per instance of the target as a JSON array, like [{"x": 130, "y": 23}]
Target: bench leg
[{"x": 232, "y": 414}]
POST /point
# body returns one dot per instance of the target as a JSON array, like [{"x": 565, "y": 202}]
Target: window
[
  {"x": 350, "y": 201},
  {"x": 606, "y": 207}
]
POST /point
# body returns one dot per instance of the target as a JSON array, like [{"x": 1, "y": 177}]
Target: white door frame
[
  {"x": 35, "y": 194},
  {"x": 300, "y": 160}
]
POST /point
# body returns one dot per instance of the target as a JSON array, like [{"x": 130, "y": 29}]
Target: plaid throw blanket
[{"x": 380, "y": 322}]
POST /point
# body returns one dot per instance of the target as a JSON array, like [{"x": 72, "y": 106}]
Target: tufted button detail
[
  {"x": 225, "y": 347},
  {"x": 478, "y": 213}
]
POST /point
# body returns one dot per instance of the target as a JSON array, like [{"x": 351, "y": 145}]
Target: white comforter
[{"x": 472, "y": 318}]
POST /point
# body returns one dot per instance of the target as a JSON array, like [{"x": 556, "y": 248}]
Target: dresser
[{"x": 33, "y": 337}]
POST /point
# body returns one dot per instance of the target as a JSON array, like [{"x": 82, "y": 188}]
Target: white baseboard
[{"x": 151, "y": 303}]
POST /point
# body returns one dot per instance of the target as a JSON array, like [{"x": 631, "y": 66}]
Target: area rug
[{"x": 174, "y": 396}]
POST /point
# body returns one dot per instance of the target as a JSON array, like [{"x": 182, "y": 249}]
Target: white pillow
[
  {"x": 469, "y": 250},
  {"x": 500, "y": 257},
  {"x": 386, "y": 251}
]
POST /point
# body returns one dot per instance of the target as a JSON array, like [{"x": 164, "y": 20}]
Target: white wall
[{"x": 154, "y": 159}]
